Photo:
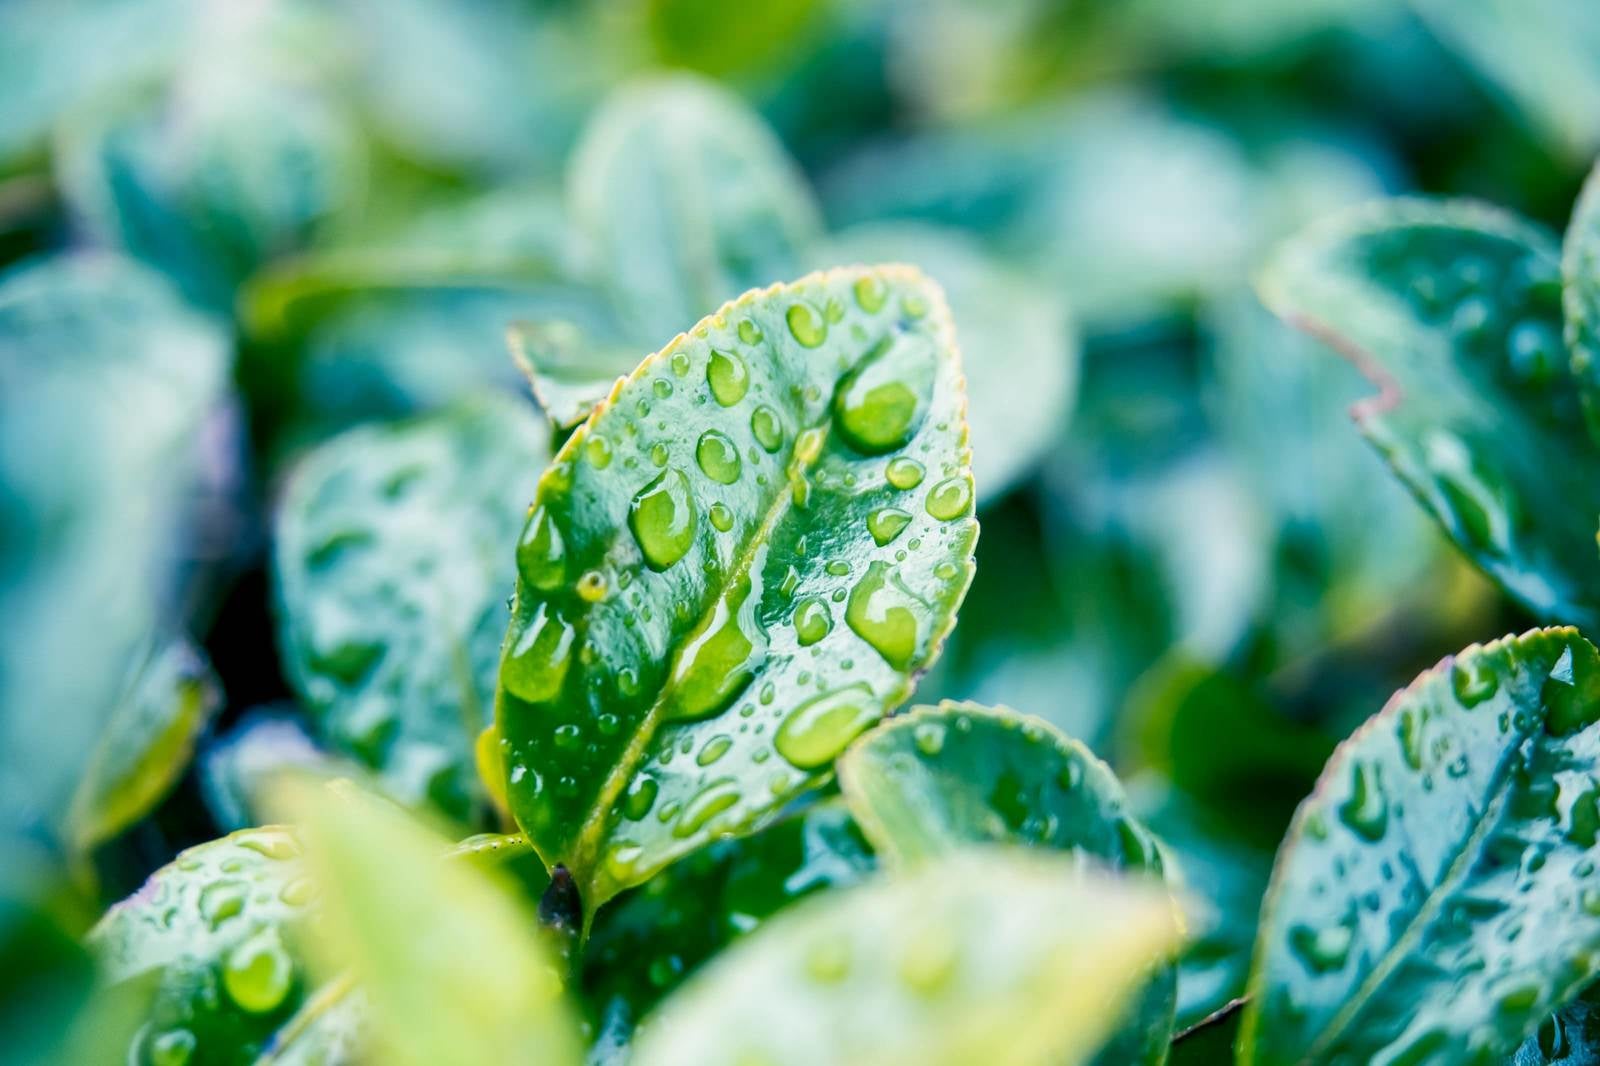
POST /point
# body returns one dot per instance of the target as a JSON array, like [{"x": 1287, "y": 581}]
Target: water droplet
[
  {"x": 719, "y": 657},
  {"x": 171, "y": 1048},
  {"x": 1322, "y": 950},
  {"x": 718, "y": 457},
  {"x": 270, "y": 842},
  {"x": 904, "y": 473},
  {"x": 1571, "y": 694},
  {"x": 258, "y": 973},
  {"x": 659, "y": 454},
  {"x": 871, "y": 292},
  {"x": 222, "y": 900},
  {"x": 808, "y": 327},
  {"x": 928, "y": 737},
  {"x": 1366, "y": 811},
  {"x": 767, "y": 428},
  {"x": 1535, "y": 351},
  {"x": 541, "y": 554},
  {"x": 536, "y": 666},
  {"x": 950, "y": 498},
  {"x": 299, "y": 892},
  {"x": 883, "y": 612},
  {"x": 818, "y": 730},
  {"x": 1410, "y": 730},
  {"x": 929, "y": 962},
  {"x": 886, "y": 523},
  {"x": 828, "y": 960},
  {"x": 706, "y": 805},
  {"x": 728, "y": 377},
  {"x": 882, "y": 402},
  {"x": 640, "y": 796},
  {"x": 680, "y": 363},
  {"x": 598, "y": 449},
  {"x": 915, "y": 306},
  {"x": 1473, "y": 680},
  {"x": 662, "y": 388},
  {"x": 812, "y": 620},
  {"x": 621, "y": 858},
  {"x": 721, "y": 517},
  {"x": 662, "y": 518},
  {"x": 749, "y": 332},
  {"x": 714, "y": 749}
]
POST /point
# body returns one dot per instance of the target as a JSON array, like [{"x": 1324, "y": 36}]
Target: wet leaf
[
  {"x": 1580, "y": 295},
  {"x": 569, "y": 371},
  {"x": 942, "y": 778},
  {"x": 1002, "y": 957},
  {"x": 1569, "y": 1037},
  {"x": 211, "y": 932},
  {"x": 147, "y": 743},
  {"x": 646, "y": 943},
  {"x": 329, "y": 1030},
  {"x": 448, "y": 957},
  {"x": 736, "y": 565},
  {"x": 1454, "y": 311},
  {"x": 394, "y": 553},
  {"x": 1429, "y": 901},
  {"x": 1019, "y": 347},
  {"x": 682, "y": 199}
]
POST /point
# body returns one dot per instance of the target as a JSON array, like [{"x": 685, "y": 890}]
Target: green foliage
[{"x": 748, "y": 550}]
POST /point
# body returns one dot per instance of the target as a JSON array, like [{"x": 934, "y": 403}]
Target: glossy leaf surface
[
  {"x": 734, "y": 567},
  {"x": 941, "y": 778},
  {"x": 1430, "y": 899},
  {"x": 147, "y": 743},
  {"x": 993, "y": 956},
  {"x": 212, "y": 932},
  {"x": 683, "y": 199},
  {"x": 394, "y": 555},
  {"x": 1454, "y": 311},
  {"x": 448, "y": 957}
]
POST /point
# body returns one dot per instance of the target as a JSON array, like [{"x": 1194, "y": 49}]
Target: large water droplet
[
  {"x": 871, "y": 293},
  {"x": 808, "y": 327},
  {"x": 816, "y": 732},
  {"x": 541, "y": 555},
  {"x": 258, "y": 972},
  {"x": 884, "y": 613},
  {"x": 1571, "y": 693},
  {"x": 950, "y": 498},
  {"x": 540, "y": 652},
  {"x": 718, "y": 658},
  {"x": 904, "y": 473},
  {"x": 718, "y": 457},
  {"x": 812, "y": 620},
  {"x": 640, "y": 796},
  {"x": 222, "y": 900},
  {"x": 882, "y": 402},
  {"x": 706, "y": 804},
  {"x": 767, "y": 428},
  {"x": 1322, "y": 950},
  {"x": 662, "y": 518},
  {"x": 728, "y": 377},
  {"x": 886, "y": 523},
  {"x": 174, "y": 1047},
  {"x": 1473, "y": 680}
]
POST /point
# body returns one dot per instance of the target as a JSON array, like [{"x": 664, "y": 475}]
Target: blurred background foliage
[{"x": 232, "y": 231}]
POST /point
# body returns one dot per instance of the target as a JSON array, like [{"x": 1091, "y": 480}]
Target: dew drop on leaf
[
  {"x": 662, "y": 518},
  {"x": 728, "y": 377},
  {"x": 881, "y": 403},
  {"x": 807, "y": 327},
  {"x": 536, "y": 665},
  {"x": 886, "y": 523},
  {"x": 718, "y": 658},
  {"x": 541, "y": 554},
  {"x": 767, "y": 428},
  {"x": 706, "y": 805},
  {"x": 950, "y": 498},
  {"x": 884, "y": 614},
  {"x": 258, "y": 972},
  {"x": 814, "y": 733},
  {"x": 718, "y": 457},
  {"x": 904, "y": 473},
  {"x": 812, "y": 620}
]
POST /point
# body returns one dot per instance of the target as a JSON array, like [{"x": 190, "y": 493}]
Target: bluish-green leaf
[
  {"x": 147, "y": 743},
  {"x": 211, "y": 931},
  {"x": 736, "y": 565},
  {"x": 993, "y": 956},
  {"x": 682, "y": 199},
  {"x": 1580, "y": 295},
  {"x": 942, "y": 778},
  {"x": 1430, "y": 902},
  {"x": 1454, "y": 311},
  {"x": 395, "y": 551}
]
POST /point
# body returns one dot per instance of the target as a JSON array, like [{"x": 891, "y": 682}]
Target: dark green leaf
[
  {"x": 394, "y": 555},
  {"x": 1454, "y": 310},
  {"x": 941, "y": 778},
  {"x": 211, "y": 931},
  {"x": 1209, "y": 1041},
  {"x": 683, "y": 199},
  {"x": 1569, "y": 1037},
  {"x": 1580, "y": 295},
  {"x": 1428, "y": 903},
  {"x": 146, "y": 744},
  {"x": 997, "y": 956},
  {"x": 748, "y": 550}
]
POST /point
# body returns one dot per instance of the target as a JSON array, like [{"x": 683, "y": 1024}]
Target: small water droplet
[
  {"x": 886, "y": 523},
  {"x": 714, "y": 749},
  {"x": 828, "y": 960},
  {"x": 271, "y": 842},
  {"x": 721, "y": 517},
  {"x": 222, "y": 900},
  {"x": 659, "y": 454},
  {"x": 1473, "y": 680},
  {"x": 818, "y": 730},
  {"x": 1366, "y": 811},
  {"x": 950, "y": 498},
  {"x": 749, "y": 332},
  {"x": 640, "y": 796},
  {"x": 928, "y": 737},
  {"x": 680, "y": 363},
  {"x": 1322, "y": 950},
  {"x": 598, "y": 450},
  {"x": 662, "y": 518},
  {"x": 807, "y": 327},
  {"x": 621, "y": 859},
  {"x": 662, "y": 387},
  {"x": 871, "y": 293},
  {"x": 174, "y": 1047},
  {"x": 767, "y": 428},
  {"x": 728, "y": 377},
  {"x": 718, "y": 457},
  {"x": 929, "y": 962},
  {"x": 904, "y": 473}
]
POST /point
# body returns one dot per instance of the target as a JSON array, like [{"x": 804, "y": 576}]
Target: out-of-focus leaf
[
  {"x": 1454, "y": 311},
  {"x": 748, "y": 550},
  {"x": 1209, "y": 1041},
  {"x": 647, "y": 942},
  {"x": 236, "y": 162},
  {"x": 233, "y": 768},
  {"x": 331, "y": 1029},
  {"x": 147, "y": 742},
  {"x": 211, "y": 932},
  {"x": 1580, "y": 295},
  {"x": 1019, "y": 349},
  {"x": 105, "y": 381},
  {"x": 723, "y": 38},
  {"x": 682, "y": 199},
  {"x": 1542, "y": 54},
  {"x": 1429, "y": 899},
  {"x": 395, "y": 551},
  {"x": 1010, "y": 958},
  {"x": 942, "y": 778},
  {"x": 569, "y": 372},
  {"x": 449, "y": 959}
]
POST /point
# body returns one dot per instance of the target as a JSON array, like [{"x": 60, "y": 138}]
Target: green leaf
[
  {"x": 1454, "y": 311},
  {"x": 682, "y": 199},
  {"x": 648, "y": 941},
  {"x": 1569, "y": 1037},
  {"x": 1428, "y": 902},
  {"x": 394, "y": 554},
  {"x": 264, "y": 741},
  {"x": 1210, "y": 1040},
  {"x": 211, "y": 931},
  {"x": 449, "y": 959},
  {"x": 750, "y": 549},
  {"x": 147, "y": 743},
  {"x": 331, "y": 1029},
  {"x": 108, "y": 385},
  {"x": 1580, "y": 295},
  {"x": 941, "y": 778},
  {"x": 569, "y": 372},
  {"x": 1002, "y": 957},
  {"x": 1013, "y": 331}
]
